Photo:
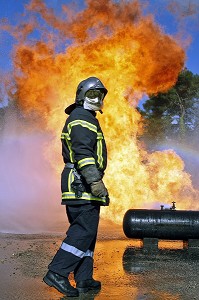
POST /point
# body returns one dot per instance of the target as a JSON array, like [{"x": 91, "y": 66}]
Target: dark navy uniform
[{"x": 83, "y": 144}]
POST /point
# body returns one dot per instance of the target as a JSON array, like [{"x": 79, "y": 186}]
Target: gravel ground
[{"x": 125, "y": 269}]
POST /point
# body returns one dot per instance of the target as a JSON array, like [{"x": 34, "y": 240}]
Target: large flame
[{"x": 131, "y": 55}]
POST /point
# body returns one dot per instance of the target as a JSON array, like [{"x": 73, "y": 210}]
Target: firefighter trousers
[{"x": 77, "y": 249}]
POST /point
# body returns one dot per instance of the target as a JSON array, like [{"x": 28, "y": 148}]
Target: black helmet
[{"x": 90, "y": 83}]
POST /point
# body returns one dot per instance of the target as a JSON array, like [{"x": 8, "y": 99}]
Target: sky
[
  {"x": 179, "y": 19},
  {"x": 183, "y": 20},
  {"x": 190, "y": 26}
]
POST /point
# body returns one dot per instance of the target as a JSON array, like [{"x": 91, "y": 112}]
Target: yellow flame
[{"x": 136, "y": 57}]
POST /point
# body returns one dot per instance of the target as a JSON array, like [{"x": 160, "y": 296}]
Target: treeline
[{"x": 173, "y": 116}]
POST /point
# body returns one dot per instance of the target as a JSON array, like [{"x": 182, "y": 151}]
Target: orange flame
[{"x": 132, "y": 56}]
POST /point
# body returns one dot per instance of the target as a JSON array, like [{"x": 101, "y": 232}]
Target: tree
[
  {"x": 174, "y": 114},
  {"x": 2, "y": 113}
]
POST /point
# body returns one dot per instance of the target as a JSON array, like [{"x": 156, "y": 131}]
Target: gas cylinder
[{"x": 168, "y": 224}]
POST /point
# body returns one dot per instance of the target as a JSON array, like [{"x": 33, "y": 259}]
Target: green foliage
[
  {"x": 174, "y": 114},
  {"x": 2, "y": 119}
]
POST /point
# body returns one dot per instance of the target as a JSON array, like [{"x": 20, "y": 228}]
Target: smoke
[
  {"x": 186, "y": 13},
  {"x": 184, "y": 9},
  {"x": 29, "y": 188},
  {"x": 55, "y": 50}
]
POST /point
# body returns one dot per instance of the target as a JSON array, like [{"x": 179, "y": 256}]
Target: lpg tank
[{"x": 161, "y": 224}]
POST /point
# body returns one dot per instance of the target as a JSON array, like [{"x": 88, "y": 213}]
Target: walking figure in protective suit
[{"x": 83, "y": 191}]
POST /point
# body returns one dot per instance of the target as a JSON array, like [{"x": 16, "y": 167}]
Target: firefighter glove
[
  {"x": 98, "y": 189},
  {"x": 90, "y": 174}
]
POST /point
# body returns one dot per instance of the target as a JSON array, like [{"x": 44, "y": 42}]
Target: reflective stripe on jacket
[{"x": 82, "y": 144}]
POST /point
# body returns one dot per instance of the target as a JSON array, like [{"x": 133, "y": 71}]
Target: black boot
[
  {"x": 61, "y": 283},
  {"x": 84, "y": 286}
]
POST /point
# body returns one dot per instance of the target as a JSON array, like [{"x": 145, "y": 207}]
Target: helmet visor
[{"x": 93, "y": 94}]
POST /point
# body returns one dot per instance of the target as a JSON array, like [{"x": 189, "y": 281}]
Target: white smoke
[{"x": 30, "y": 193}]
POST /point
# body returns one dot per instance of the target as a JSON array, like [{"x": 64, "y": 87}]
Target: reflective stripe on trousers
[
  {"x": 75, "y": 251},
  {"x": 81, "y": 234}
]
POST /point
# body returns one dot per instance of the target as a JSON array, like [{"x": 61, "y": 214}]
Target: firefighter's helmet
[
  {"x": 91, "y": 83},
  {"x": 87, "y": 90}
]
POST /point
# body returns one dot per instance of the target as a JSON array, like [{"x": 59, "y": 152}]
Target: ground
[{"x": 124, "y": 268}]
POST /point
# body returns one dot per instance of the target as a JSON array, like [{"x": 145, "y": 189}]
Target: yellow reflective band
[
  {"x": 70, "y": 151},
  {"x": 66, "y": 137},
  {"x": 99, "y": 149},
  {"x": 82, "y": 123},
  {"x": 99, "y": 135},
  {"x": 70, "y": 179},
  {"x": 85, "y": 196},
  {"x": 86, "y": 161}
]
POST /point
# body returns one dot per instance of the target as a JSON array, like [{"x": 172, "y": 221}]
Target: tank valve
[{"x": 173, "y": 207}]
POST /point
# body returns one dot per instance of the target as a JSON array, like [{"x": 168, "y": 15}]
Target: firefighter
[{"x": 83, "y": 190}]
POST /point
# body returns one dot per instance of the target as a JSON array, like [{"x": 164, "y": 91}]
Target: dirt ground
[{"x": 124, "y": 268}]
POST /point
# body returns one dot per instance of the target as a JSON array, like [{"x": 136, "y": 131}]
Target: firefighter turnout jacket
[{"x": 83, "y": 144}]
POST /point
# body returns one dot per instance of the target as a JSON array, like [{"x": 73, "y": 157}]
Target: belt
[{"x": 69, "y": 165}]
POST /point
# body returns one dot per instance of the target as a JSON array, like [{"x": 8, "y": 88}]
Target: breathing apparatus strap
[
  {"x": 69, "y": 165},
  {"x": 77, "y": 185}
]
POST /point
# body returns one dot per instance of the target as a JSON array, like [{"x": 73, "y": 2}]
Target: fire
[{"x": 131, "y": 55}]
